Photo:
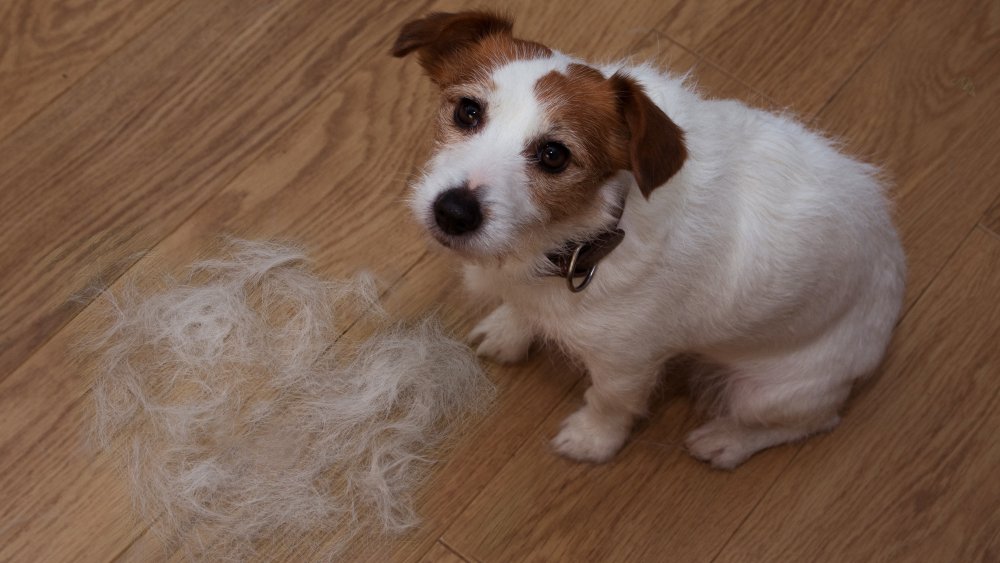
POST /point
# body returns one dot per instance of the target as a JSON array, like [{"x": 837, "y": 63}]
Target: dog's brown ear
[
  {"x": 656, "y": 144},
  {"x": 440, "y": 36}
]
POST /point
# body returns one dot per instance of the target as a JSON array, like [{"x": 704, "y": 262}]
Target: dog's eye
[
  {"x": 553, "y": 157},
  {"x": 468, "y": 113}
]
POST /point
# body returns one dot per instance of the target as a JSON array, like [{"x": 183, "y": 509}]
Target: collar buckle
[{"x": 571, "y": 272}]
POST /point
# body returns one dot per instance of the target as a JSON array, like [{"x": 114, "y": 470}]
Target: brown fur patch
[
  {"x": 583, "y": 112},
  {"x": 607, "y": 124},
  {"x": 459, "y": 53},
  {"x": 656, "y": 144},
  {"x": 465, "y": 46}
]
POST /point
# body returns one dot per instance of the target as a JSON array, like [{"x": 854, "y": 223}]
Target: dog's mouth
[
  {"x": 442, "y": 239},
  {"x": 474, "y": 247},
  {"x": 463, "y": 245}
]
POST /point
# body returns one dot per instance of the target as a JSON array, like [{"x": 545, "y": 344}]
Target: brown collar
[
  {"x": 579, "y": 259},
  {"x": 576, "y": 260}
]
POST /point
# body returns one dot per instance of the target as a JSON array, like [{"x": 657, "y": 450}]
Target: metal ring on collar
[{"x": 572, "y": 268}]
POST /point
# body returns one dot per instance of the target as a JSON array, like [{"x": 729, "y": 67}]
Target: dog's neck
[
  {"x": 579, "y": 259},
  {"x": 591, "y": 252}
]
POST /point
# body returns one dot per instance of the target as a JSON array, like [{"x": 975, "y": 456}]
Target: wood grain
[
  {"x": 815, "y": 49},
  {"x": 911, "y": 109},
  {"x": 796, "y": 53},
  {"x": 287, "y": 120},
  {"x": 652, "y": 500},
  {"x": 47, "y": 45},
  {"x": 911, "y": 474},
  {"x": 915, "y": 489},
  {"x": 711, "y": 81},
  {"x": 98, "y": 177}
]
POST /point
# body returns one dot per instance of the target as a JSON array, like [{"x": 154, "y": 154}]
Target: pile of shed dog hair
[{"x": 239, "y": 417}]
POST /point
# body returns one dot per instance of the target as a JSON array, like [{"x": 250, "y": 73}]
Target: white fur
[
  {"x": 770, "y": 252},
  {"x": 238, "y": 418}
]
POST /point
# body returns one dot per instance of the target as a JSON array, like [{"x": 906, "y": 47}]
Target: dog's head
[{"x": 528, "y": 139}]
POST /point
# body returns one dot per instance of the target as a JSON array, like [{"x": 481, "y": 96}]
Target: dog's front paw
[
  {"x": 588, "y": 436},
  {"x": 501, "y": 337}
]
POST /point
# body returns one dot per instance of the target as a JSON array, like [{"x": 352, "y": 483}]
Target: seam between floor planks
[
  {"x": 463, "y": 556},
  {"x": 987, "y": 230},
  {"x": 708, "y": 63},
  {"x": 847, "y": 80}
]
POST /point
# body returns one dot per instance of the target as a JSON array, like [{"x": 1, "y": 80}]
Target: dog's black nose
[{"x": 457, "y": 212}]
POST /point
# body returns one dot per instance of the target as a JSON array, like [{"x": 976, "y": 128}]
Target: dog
[{"x": 612, "y": 211}]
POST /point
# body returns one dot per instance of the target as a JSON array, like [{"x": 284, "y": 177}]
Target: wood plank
[
  {"x": 810, "y": 52},
  {"x": 910, "y": 108},
  {"x": 48, "y": 45},
  {"x": 653, "y": 499},
  {"x": 27, "y": 420},
  {"x": 797, "y": 53},
  {"x": 911, "y": 474},
  {"x": 145, "y": 139},
  {"x": 68, "y": 524}
]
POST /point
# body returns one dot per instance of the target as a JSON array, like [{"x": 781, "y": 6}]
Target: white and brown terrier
[{"x": 720, "y": 230}]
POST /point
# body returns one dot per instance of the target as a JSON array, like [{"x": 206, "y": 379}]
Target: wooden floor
[{"x": 132, "y": 132}]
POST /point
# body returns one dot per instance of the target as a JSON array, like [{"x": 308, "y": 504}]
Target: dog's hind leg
[
  {"x": 725, "y": 442},
  {"x": 767, "y": 403},
  {"x": 772, "y": 397}
]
